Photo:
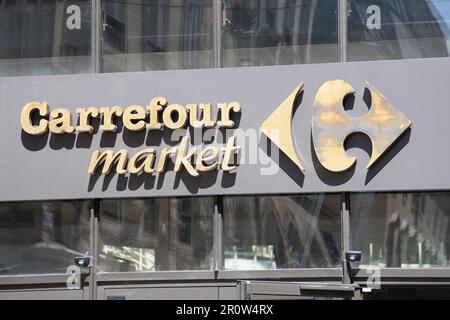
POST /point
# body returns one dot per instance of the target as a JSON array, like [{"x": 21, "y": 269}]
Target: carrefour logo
[{"x": 331, "y": 125}]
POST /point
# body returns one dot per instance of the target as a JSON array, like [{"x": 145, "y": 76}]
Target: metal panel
[
  {"x": 413, "y": 163},
  {"x": 42, "y": 295},
  {"x": 174, "y": 293},
  {"x": 312, "y": 274},
  {"x": 258, "y": 289},
  {"x": 228, "y": 293}
]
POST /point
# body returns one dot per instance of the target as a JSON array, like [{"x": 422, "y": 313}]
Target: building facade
[{"x": 202, "y": 149}]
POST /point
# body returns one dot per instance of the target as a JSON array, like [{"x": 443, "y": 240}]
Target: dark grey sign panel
[{"x": 56, "y": 166}]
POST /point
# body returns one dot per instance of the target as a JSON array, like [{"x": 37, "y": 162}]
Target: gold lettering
[
  {"x": 207, "y": 154},
  {"x": 84, "y": 119},
  {"x": 167, "y": 116},
  {"x": 134, "y": 112},
  {"x": 206, "y": 121},
  {"x": 165, "y": 153},
  {"x": 183, "y": 158},
  {"x": 229, "y": 149},
  {"x": 61, "y": 122},
  {"x": 108, "y": 113},
  {"x": 25, "y": 118},
  {"x": 109, "y": 157},
  {"x": 146, "y": 165},
  {"x": 225, "y": 110},
  {"x": 155, "y": 106}
]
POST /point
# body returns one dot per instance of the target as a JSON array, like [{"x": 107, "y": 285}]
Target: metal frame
[{"x": 248, "y": 290}]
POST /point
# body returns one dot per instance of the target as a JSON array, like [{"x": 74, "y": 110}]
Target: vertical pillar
[
  {"x": 342, "y": 30},
  {"x": 94, "y": 248},
  {"x": 218, "y": 233},
  {"x": 217, "y": 33},
  {"x": 345, "y": 237},
  {"x": 96, "y": 34}
]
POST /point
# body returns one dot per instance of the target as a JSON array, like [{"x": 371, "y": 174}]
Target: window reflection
[
  {"x": 408, "y": 230},
  {"x": 398, "y": 29},
  {"x": 156, "y": 234},
  {"x": 156, "y": 35},
  {"x": 265, "y": 32},
  {"x": 282, "y": 232},
  {"x": 42, "y": 237},
  {"x": 45, "y": 37}
]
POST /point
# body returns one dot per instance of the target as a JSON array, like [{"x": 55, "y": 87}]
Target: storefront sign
[
  {"x": 138, "y": 118},
  {"x": 179, "y": 132}
]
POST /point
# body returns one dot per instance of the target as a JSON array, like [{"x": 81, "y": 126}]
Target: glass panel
[
  {"x": 282, "y": 232},
  {"x": 42, "y": 237},
  {"x": 407, "y": 230},
  {"x": 266, "y": 32},
  {"x": 141, "y": 35},
  {"x": 44, "y": 37},
  {"x": 398, "y": 29},
  {"x": 156, "y": 234}
]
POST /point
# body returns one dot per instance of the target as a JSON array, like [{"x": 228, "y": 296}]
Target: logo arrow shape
[
  {"x": 387, "y": 124},
  {"x": 278, "y": 126}
]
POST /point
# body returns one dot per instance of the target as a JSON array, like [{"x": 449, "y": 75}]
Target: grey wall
[{"x": 55, "y": 167}]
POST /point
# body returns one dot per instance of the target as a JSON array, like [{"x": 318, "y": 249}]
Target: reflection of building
[
  {"x": 172, "y": 233},
  {"x": 172, "y": 35},
  {"x": 412, "y": 29},
  {"x": 279, "y": 32},
  {"x": 403, "y": 230},
  {"x": 42, "y": 238},
  {"x": 422, "y": 227},
  {"x": 301, "y": 231}
]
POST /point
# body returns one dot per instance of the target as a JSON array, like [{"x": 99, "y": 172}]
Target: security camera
[
  {"x": 353, "y": 256},
  {"x": 83, "y": 261}
]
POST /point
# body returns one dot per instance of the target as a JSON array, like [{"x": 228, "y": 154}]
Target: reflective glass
[
  {"x": 142, "y": 35},
  {"x": 156, "y": 234},
  {"x": 282, "y": 232},
  {"x": 266, "y": 32},
  {"x": 42, "y": 237},
  {"x": 398, "y": 29},
  {"x": 45, "y": 37},
  {"x": 407, "y": 230}
]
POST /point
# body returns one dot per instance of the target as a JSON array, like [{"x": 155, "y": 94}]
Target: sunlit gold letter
[
  {"x": 25, "y": 118},
  {"x": 108, "y": 113},
  {"x": 61, "y": 122},
  {"x": 155, "y": 106},
  {"x": 134, "y": 113},
  {"x": 167, "y": 116},
  {"x": 206, "y": 121},
  {"x": 146, "y": 165},
  {"x": 207, "y": 154},
  {"x": 84, "y": 119},
  {"x": 225, "y": 110},
  {"x": 229, "y": 149},
  {"x": 109, "y": 157}
]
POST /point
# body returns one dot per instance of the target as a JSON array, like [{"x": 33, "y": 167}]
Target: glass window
[
  {"x": 42, "y": 237},
  {"x": 301, "y": 231},
  {"x": 145, "y": 35},
  {"x": 45, "y": 37},
  {"x": 266, "y": 32},
  {"x": 407, "y": 230},
  {"x": 398, "y": 29},
  {"x": 156, "y": 234}
]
